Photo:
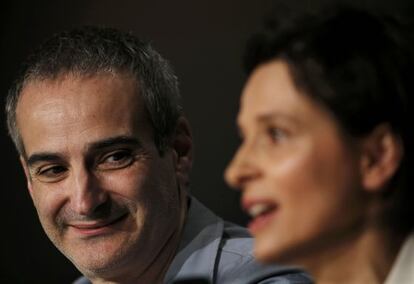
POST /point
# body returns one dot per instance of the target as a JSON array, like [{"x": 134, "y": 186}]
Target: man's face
[{"x": 103, "y": 193}]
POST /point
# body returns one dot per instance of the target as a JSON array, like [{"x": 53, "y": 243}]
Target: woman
[{"x": 323, "y": 165}]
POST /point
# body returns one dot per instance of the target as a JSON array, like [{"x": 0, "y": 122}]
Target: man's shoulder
[
  {"x": 236, "y": 244},
  {"x": 236, "y": 263}
]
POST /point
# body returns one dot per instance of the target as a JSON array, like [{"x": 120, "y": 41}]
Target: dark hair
[
  {"x": 359, "y": 66},
  {"x": 91, "y": 50}
]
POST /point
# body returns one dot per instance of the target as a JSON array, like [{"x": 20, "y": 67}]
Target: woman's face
[{"x": 299, "y": 174}]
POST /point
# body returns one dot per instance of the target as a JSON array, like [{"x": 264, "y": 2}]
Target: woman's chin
[
  {"x": 267, "y": 250},
  {"x": 270, "y": 251}
]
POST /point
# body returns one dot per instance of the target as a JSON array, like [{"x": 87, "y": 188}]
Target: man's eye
[
  {"x": 51, "y": 173},
  {"x": 116, "y": 160}
]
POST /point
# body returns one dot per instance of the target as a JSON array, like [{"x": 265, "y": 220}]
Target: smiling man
[{"x": 107, "y": 151}]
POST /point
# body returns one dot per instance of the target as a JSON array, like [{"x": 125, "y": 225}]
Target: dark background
[{"x": 204, "y": 42}]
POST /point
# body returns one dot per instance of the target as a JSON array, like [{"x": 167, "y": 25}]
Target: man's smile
[{"x": 96, "y": 228}]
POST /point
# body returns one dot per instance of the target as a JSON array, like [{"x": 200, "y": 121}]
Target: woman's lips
[
  {"x": 97, "y": 228},
  {"x": 261, "y": 212}
]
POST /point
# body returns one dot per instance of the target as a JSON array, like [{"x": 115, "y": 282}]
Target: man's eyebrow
[
  {"x": 43, "y": 157},
  {"x": 113, "y": 141}
]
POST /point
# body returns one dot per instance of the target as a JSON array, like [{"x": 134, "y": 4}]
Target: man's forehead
[
  {"x": 99, "y": 106},
  {"x": 100, "y": 90},
  {"x": 65, "y": 79}
]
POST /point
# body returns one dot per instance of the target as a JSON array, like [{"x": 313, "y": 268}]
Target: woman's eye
[
  {"x": 276, "y": 134},
  {"x": 116, "y": 160}
]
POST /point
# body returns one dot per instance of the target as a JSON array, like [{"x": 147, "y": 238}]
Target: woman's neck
[{"x": 365, "y": 258}]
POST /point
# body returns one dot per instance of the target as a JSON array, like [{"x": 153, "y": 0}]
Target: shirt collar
[
  {"x": 402, "y": 271},
  {"x": 199, "y": 245}
]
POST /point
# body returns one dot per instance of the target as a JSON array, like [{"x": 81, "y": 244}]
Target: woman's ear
[
  {"x": 182, "y": 144},
  {"x": 381, "y": 154}
]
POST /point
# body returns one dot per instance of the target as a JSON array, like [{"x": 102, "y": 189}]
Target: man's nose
[{"x": 87, "y": 193}]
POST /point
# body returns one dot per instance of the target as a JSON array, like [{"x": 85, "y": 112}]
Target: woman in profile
[{"x": 326, "y": 148}]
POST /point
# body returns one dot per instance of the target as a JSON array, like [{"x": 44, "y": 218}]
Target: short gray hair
[{"x": 92, "y": 50}]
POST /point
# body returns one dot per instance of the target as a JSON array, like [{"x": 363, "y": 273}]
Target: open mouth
[{"x": 262, "y": 214}]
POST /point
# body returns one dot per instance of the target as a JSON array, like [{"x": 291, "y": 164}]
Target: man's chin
[
  {"x": 99, "y": 263},
  {"x": 99, "y": 255}
]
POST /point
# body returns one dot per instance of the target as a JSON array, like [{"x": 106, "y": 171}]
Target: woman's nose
[{"x": 242, "y": 168}]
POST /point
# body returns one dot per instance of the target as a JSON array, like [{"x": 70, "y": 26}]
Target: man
[{"x": 107, "y": 151}]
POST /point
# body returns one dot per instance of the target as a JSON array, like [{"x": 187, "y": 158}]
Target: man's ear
[
  {"x": 182, "y": 144},
  {"x": 382, "y": 151},
  {"x": 27, "y": 174}
]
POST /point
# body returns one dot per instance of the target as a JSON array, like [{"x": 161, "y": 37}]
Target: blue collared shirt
[{"x": 220, "y": 252}]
